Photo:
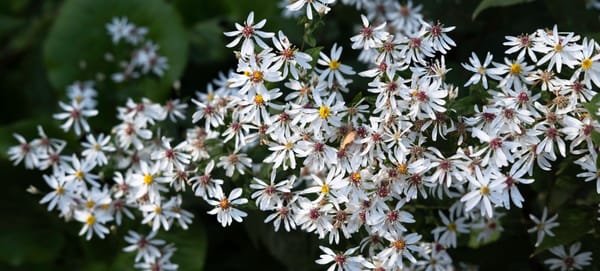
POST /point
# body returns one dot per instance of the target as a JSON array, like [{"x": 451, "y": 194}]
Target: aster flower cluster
[
  {"x": 144, "y": 58},
  {"x": 335, "y": 168}
]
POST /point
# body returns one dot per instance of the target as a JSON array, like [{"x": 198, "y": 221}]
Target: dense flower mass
[{"x": 337, "y": 165}]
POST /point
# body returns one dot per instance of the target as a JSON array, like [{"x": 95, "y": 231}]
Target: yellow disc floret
[
  {"x": 148, "y": 179},
  {"x": 515, "y": 68},
  {"x": 324, "y": 111},
  {"x": 586, "y": 64},
  {"x": 334, "y": 65}
]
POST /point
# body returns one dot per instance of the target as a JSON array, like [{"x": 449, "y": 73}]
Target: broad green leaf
[
  {"x": 485, "y": 4},
  {"x": 78, "y": 41},
  {"x": 191, "y": 246},
  {"x": 592, "y": 107},
  {"x": 314, "y": 53}
]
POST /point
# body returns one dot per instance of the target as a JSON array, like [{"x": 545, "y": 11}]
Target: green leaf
[
  {"x": 485, "y": 4},
  {"x": 191, "y": 246},
  {"x": 592, "y": 107},
  {"x": 79, "y": 36}
]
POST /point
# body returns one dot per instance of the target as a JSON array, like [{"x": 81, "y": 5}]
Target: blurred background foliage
[{"x": 46, "y": 45}]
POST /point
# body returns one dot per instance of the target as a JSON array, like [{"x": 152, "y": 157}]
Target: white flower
[
  {"x": 147, "y": 247},
  {"x": 81, "y": 171},
  {"x": 588, "y": 163},
  {"x": 589, "y": 64},
  {"x": 558, "y": 49},
  {"x": 480, "y": 70},
  {"x": 92, "y": 223},
  {"x": 96, "y": 148},
  {"x": 23, "y": 151},
  {"x": 400, "y": 247},
  {"x": 569, "y": 261},
  {"x": 233, "y": 161},
  {"x": 224, "y": 206},
  {"x": 484, "y": 191},
  {"x": 205, "y": 185},
  {"x": 251, "y": 33},
  {"x": 75, "y": 116},
  {"x": 543, "y": 225},
  {"x": 335, "y": 69},
  {"x": 320, "y": 6},
  {"x": 437, "y": 36},
  {"x": 369, "y": 37},
  {"x": 62, "y": 194},
  {"x": 168, "y": 157},
  {"x": 523, "y": 43},
  {"x": 155, "y": 215},
  {"x": 344, "y": 261},
  {"x": 289, "y": 56},
  {"x": 446, "y": 234},
  {"x": 147, "y": 183}
]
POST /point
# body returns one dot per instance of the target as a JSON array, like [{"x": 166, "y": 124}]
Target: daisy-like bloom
[
  {"x": 485, "y": 190},
  {"x": 498, "y": 149},
  {"x": 326, "y": 189},
  {"x": 175, "y": 109},
  {"x": 120, "y": 28},
  {"x": 254, "y": 73},
  {"x": 437, "y": 37},
  {"x": 213, "y": 118},
  {"x": 146, "y": 246},
  {"x": 256, "y": 110},
  {"x": 445, "y": 168},
  {"x": 176, "y": 213},
  {"x": 523, "y": 43},
  {"x": 147, "y": 183},
  {"x": 282, "y": 213},
  {"x": 387, "y": 220},
  {"x": 369, "y": 37},
  {"x": 204, "y": 185},
  {"x": 407, "y": 18},
  {"x": 426, "y": 97},
  {"x": 284, "y": 151},
  {"x": 335, "y": 69},
  {"x": 401, "y": 246},
  {"x": 325, "y": 116},
  {"x": 75, "y": 115},
  {"x": 224, "y": 206},
  {"x": 573, "y": 260},
  {"x": 62, "y": 194},
  {"x": 416, "y": 49},
  {"x": 23, "y": 152},
  {"x": 591, "y": 172},
  {"x": 132, "y": 131},
  {"x": 168, "y": 158},
  {"x": 317, "y": 153},
  {"x": 155, "y": 214},
  {"x": 343, "y": 261},
  {"x": 268, "y": 195},
  {"x": 83, "y": 93},
  {"x": 515, "y": 72},
  {"x": 589, "y": 64},
  {"x": 93, "y": 223},
  {"x": 80, "y": 170},
  {"x": 446, "y": 234},
  {"x": 511, "y": 192},
  {"x": 146, "y": 111},
  {"x": 250, "y": 33},
  {"x": 95, "y": 149},
  {"x": 558, "y": 49},
  {"x": 233, "y": 161},
  {"x": 320, "y": 6},
  {"x": 289, "y": 56},
  {"x": 314, "y": 217},
  {"x": 481, "y": 71},
  {"x": 543, "y": 226}
]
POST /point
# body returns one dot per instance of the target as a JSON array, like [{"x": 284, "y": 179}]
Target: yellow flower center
[
  {"x": 224, "y": 204},
  {"x": 586, "y": 64},
  {"x": 484, "y": 190},
  {"x": 148, "y": 179},
  {"x": 403, "y": 168},
  {"x": 355, "y": 176},
  {"x": 60, "y": 190},
  {"x": 334, "y": 65},
  {"x": 257, "y": 76},
  {"x": 558, "y": 48},
  {"x": 79, "y": 174},
  {"x": 157, "y": 210},
  {"x": 515, "y": 68},
  {"x": 90, "y": 220},
  {"x": 105, "y": 206},
  {"x": 210, "y": 97},
  {"x": 325, "y": 189},
  {"x": 258, "y": 99},
  {"x": 481, "y": 70},
  {"x": 78, "y": 99},
  {"x": 96, "y": 147},
  {"x": 289, "y": 145},
  {"x": 90, "y": 204},
  {"x": 399, "y": 244},
  {"x": 324, "y": 111},
  {"x": 452, "y": 227}
]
